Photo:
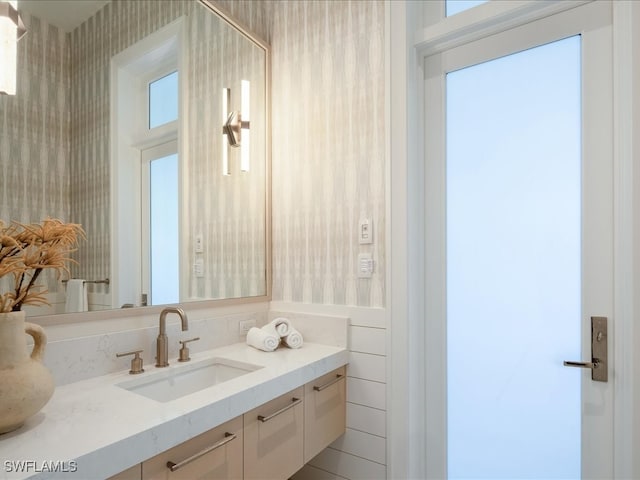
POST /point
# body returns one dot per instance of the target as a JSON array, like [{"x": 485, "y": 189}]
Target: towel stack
[{"x": 269, "y": 337}]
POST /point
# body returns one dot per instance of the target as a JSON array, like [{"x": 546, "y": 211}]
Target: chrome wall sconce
[
  {"x": 11, "y": 30},
  {"x": 236, "y": 128}
]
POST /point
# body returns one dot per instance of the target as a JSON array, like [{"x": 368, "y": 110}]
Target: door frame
[{"x": 407, "y": 40}]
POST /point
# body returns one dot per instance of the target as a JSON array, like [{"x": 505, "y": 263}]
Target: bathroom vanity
[
  {"x": 273, "y": 440},
  {"x": 271, "y": 414}
]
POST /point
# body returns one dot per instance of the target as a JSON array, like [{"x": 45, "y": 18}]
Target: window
[
  {"x": 146, "y": 166},
  {"x": 163, "y": 100},
  {"x": 457, "y": 6}
]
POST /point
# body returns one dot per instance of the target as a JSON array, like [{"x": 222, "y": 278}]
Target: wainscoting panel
[
  {"x": 346, "y": 465},
  {"x": 366, "y": 419},
  {"x": 368, "y": 340},
  {"x": 367, "y": 366}
]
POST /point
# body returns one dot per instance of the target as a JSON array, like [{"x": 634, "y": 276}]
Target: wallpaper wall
[
  {"x": 37, "y": 187},
  {"x": 328, "y": 140},
  {"x": 228, "y": 211},
  {"x": 55, "y": 139},
  {"x": 34, "y": 130},
  {"x": 112, "y": 29},
  {"x": 328, "y": 149}
]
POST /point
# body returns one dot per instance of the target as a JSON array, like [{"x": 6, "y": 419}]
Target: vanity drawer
[
  {"x": 133, "y": 473},
  {"x": 216, "y": 454},
  {"x": 274, "y": 436},
  {"x": 325, "y": 411}
]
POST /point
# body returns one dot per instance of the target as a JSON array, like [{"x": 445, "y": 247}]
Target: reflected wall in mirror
[{"x": 59, "y": 157}]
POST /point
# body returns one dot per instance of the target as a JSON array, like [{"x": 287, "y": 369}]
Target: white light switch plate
[
  {"x": 365, "y": 265},
  {"x": 198, "y": 268},
  {"x": 199, "y": 244},
  {"x": 365, "y": 231}
]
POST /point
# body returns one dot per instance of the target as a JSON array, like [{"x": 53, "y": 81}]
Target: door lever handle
[
  {"x": 594, "y": 364},
  {"x": 599, "y": 355}
]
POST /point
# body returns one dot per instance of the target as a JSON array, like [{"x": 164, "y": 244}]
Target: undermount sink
[{"x": 174, "y": 383}]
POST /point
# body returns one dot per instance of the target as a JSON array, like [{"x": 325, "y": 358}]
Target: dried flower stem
[{"x": 27, "y": 250}]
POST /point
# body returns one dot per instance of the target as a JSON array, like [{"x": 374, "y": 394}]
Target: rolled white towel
[
  {"x": 282, "y": 326},
  {"x": 265, "y": 338},
  {"x": 294, "y": 339}
]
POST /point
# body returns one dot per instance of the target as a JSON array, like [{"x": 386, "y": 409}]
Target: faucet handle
[
  {"x": 136, "y": 362},
  {"x": 184, "y": 351}
]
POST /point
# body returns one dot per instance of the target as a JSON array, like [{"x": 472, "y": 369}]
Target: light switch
[
  {"x": 199, "y": 244},
  {"x": 365, "y": 265},
  {"x": 365, "y": 231}
]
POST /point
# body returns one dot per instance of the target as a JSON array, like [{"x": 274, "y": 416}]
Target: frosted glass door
[
  {"x": 519, "y": 251},
  {"x": 513, "y": 170},
  {"x": 160, "y": 201},
  {"x": 164, "y": 230}
]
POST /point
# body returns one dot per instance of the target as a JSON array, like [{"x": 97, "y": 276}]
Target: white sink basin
[{"x": 174, "y": 383}]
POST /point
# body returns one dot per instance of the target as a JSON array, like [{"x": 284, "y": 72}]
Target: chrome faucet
[{"x": 162, "y": 352}]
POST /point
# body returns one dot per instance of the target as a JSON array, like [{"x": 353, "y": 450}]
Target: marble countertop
[{"x": 93, "y": 429}]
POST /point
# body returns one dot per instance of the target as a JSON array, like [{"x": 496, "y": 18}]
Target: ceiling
[{"x": 64, "y": 14}]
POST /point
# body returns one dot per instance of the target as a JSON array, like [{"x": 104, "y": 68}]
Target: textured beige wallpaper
[
  {"x": 328, "y": 140},
  {"x": 228, "y": 211},
  {"x": 55, "y": 145},
  {"x": 34, "y": 130},
  {"x": 115, "y": 27},
  {"x": 328, "y": 149}
]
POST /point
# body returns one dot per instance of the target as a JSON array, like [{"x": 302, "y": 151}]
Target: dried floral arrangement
[{"x": 28, "y": 249}]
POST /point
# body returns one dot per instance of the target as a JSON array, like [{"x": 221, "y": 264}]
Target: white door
[{"x": 519, "y": 250}]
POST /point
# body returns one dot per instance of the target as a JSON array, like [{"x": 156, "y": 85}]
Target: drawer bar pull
[
  {"x": 294, "y": 401},
  {"x": 328, "y": 384},
  {"x": 227, "y": 438}
]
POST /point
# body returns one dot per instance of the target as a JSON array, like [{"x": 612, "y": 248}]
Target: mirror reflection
[{"x": 117, "y": 124}]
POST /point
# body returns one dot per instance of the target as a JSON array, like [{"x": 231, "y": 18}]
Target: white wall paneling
[
  {"x": 367, "y": 340},
  {"x": 365, "y": 392},
  {"x": 364, "y": 365},
  {"x": 366, "y": 419},
  {"x": 362, "y": 445},
  {"x": 348, "y": 466}
]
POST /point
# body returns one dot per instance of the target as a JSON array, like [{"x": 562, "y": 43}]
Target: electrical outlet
[{"x": 245, "y": 325}]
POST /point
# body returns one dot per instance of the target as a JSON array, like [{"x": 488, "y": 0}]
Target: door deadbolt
[{"x": 599, "y": 363}]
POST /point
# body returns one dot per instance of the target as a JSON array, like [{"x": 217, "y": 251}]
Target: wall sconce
[
  {"x": 225, "y": 148},
  {"x": 11, "y": 30},
  {"x": 236, "y": 128}
]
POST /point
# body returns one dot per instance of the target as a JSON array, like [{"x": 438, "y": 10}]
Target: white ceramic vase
[{"x": 26, "y": 385}]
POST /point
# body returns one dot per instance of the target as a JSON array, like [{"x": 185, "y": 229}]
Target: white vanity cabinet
[
  {"x": 325, "y": 411},
  {"x": 214, "y": 455},
  {"x": 274, "y": 437}
]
